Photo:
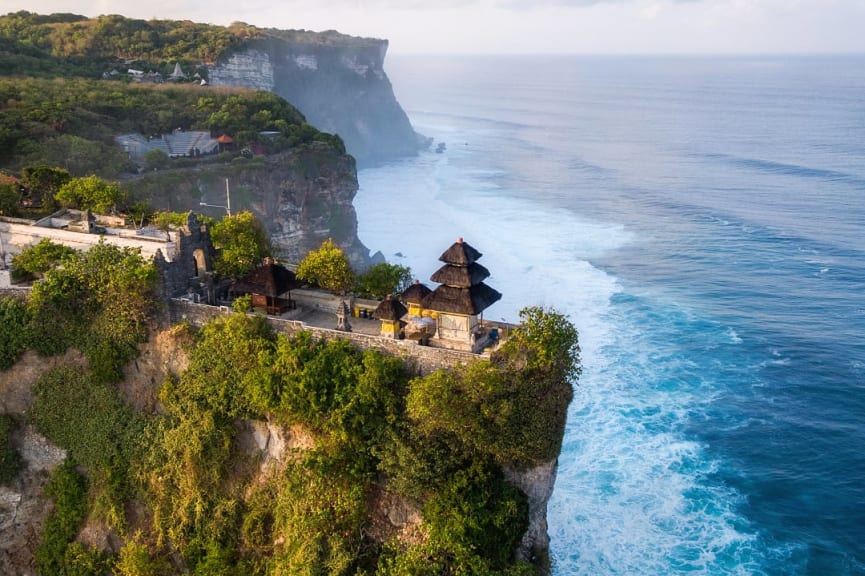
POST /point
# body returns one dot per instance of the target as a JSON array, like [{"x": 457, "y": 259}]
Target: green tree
[
  {"x": 99, "y": 301},
  {"x": 14, "y": 320},
  {"x": 242, "y": 244},
  {"x": 10, "y": 460},
  {"x": 546, "y": 339},
  {"x": 328, "y": 267},
  {"x": 156, "y": 159},
  {"x": 382, "y": 279},
  {"x": 513, "y": 408},
  {"x": 83, "y": 560},
  {"x": 44, "y": 182},
  {"x": 165, "y": 220},
  {"x": 80, "y": 155},
  {"x": 91, "y": 193},
  {"x": 9, "y": 200},
  {"x": 225, "y": 369},
  {"x": 68, "y": 488},
  {"x": 135, "y": 560},
  {"x": 35, "y": 260}
]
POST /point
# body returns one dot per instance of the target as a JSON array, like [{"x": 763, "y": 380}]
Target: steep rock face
[
  {"x": 537, "y": 483},
  {"x": 252, "y": 68},
  {"x": 302, "y": 196},
  {"x": 23, "y": 504},
  {"x": 340, "y": 86}
]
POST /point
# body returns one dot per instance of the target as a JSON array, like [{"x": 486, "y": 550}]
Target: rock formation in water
[{"x": 338, "y": 82}]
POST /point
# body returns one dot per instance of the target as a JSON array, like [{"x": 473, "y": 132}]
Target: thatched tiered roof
[
  {"x": 462, "y": 276},
  {"x": 269, "y": 279},
  {"x": 460, "y": 254},
  {"x": 457, "y": 300},
  {"x": 389, "y": 309},
  {"x": 462, "y": 290},
  {"x": 415, "y": 293}
]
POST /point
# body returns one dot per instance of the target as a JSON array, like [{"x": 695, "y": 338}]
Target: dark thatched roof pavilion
[
  {"x": 415, "y": 293},
  {"x": 462, "y": 276},
  {"x": 390, "y": 310},
  {"x": 268, "y": 280},
  {"x": 456, "y": 300}
]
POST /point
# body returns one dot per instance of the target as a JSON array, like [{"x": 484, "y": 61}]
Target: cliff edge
[
  {"x": 336, "y": 81},
  {"x": 302, "y": 197}
]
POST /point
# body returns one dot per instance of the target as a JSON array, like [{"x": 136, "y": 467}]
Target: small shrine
[
  {"x": 413, "y": 297},
  {"x": 343, "y": 313},
  {"x": 419, "y": 324},
  {"x": 266, "y": 284},
  {"x": 390, "y": 311},
  {"x": 461, "y": 297}
]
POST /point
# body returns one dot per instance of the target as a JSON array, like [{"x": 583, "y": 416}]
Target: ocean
[{"x": 702, "y": 223}]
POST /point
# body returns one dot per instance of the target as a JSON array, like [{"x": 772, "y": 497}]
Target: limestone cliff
[
  {"x": 269, "y": 446},
  {"x": 336, "y": 81},
  {"x": 302, "y": 196},
  {"x": 537, "y": 483}
]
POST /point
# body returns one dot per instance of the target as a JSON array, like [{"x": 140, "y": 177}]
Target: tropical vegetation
[
  {"x": 99, "y": 301},
  {"x": 441, "y": 440},
  {"x": 70, "y": 124},
  {"x": 74, "y": 45},
  {"x": 242, "y": 243},
  {"x": 327, "y": 267}
]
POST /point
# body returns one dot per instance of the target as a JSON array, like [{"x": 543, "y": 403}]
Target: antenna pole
[{"x": 227, "y": 198}]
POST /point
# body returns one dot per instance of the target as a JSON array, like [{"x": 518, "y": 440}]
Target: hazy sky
[{"x": 548, "y": 26}]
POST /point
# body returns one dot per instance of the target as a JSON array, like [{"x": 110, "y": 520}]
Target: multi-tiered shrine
[{"x": 459, "y": 301}]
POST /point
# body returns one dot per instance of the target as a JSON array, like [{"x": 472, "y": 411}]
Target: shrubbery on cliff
[
  {"x": 10, "y": 460},
  {"x": 440, "y": 440},
  {"x": 69, "y": 44},
  {"x": 99, "y": 301}
]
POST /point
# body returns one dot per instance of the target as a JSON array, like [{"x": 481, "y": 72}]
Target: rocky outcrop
[
  {"x": 271, "y": 443},
  {"x": 302, "y": 196},
  {"x": 252, "y": 68},
  {"x": 23, "y": 504},
  {"x": 337, "y": 82},
  {"x": 537, "y": 483}
]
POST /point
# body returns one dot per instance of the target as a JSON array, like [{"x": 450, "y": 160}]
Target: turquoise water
[{"x": 702, "y": 221}]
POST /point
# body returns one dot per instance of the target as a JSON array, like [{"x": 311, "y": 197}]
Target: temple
[{"x": 460, "y": 299}]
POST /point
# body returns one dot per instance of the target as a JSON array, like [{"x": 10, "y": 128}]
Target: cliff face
[
  {"x": 269, "y": 446},
  {"x": 339, "y": 85},
  {"x": 537, "y": 483},
  {"x": 302, "y": 197}
]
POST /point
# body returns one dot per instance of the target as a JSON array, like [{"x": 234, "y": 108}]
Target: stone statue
[{"x": 343, "y": 313}]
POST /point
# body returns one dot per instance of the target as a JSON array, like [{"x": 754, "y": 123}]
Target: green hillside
[
  {"x": 72, "y": 45},
  {"x": 42, "y": 121}
]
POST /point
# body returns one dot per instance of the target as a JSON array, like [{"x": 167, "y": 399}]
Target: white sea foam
[
  {"x": 631, "y": 496},
  {"x": 734, "y": 337},
  {"x": 535, "y": 258}
]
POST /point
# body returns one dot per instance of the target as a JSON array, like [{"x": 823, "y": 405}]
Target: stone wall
[
  {"x": 421, "y": 359},
  {"x": 17, "y": 236},
  {"x": 190, "y": 270}
]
